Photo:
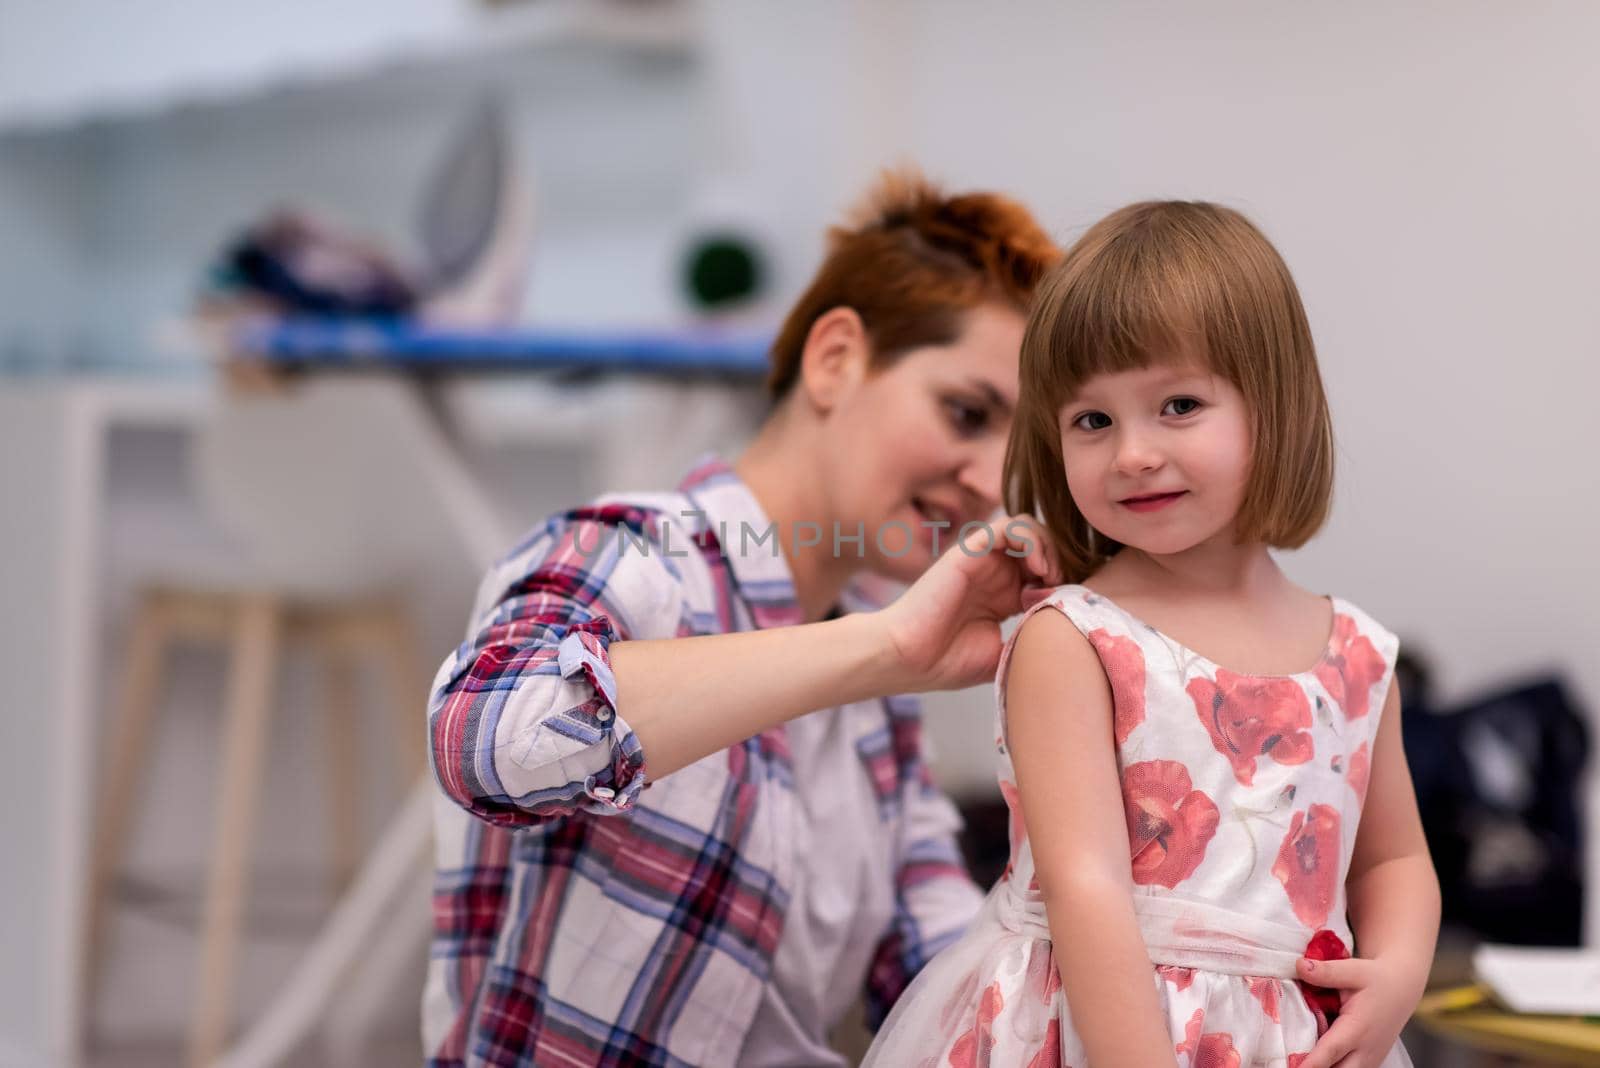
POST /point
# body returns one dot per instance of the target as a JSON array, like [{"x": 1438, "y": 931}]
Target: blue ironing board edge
[{"x": 304, "y": 342}]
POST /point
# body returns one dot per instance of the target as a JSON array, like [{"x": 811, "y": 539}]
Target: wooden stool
[{"x": 255, "y": 627}]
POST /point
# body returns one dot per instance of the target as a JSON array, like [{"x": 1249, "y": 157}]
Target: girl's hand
[
  {"x": 1376, "y": 999},
  {"x": 944, "y": 631}
]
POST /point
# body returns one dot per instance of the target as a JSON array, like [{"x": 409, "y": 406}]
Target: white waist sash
[{"x": 1189, "y": 934}]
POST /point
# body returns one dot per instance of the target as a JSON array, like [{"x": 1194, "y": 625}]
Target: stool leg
[
  {"x": 343, "y": 760},
  {"x": 254, "y": 662},
  {"x": 137, "y": 697}
]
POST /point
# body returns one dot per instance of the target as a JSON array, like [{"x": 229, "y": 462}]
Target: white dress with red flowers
[{"x": 1242, "y": 795}]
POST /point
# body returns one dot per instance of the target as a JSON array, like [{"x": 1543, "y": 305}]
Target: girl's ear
[{"x": 835, "y": 358}]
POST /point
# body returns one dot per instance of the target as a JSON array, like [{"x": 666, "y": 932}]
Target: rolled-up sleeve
[{"x": 523, "y": 716}]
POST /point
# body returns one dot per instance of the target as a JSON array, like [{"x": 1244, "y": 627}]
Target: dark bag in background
[{"x": 1497, "y": 781}]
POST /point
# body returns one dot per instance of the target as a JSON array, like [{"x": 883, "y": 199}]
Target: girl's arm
[
  {"x": 1392, "y": 888},
  {"x": 1059, "y": 722},
  {"x": 1393, "y": 898}
]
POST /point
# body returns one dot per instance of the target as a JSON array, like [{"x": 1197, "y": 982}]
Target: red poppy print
[
  {"x": 1249, "y": 717},
  {"x": 1018, "y": 830},
  {"x": 1350, "y": 669},
  {"x": 973, "y": 1049},
  {"x": 1268, "y": 992},
  {"x": 1124, "y": 664},
  {"x": 1169, "y": 822},
  {"x": 1177, "y": 975},
  {"x": 1214, "y": 1050},
  {"x": 1308, "y": 863},
  {"x": 1360, "y": 771},
  {"x": 1296, "y": 1058},
  {"x": 1044, "y": 979},
  {"x": 959, "y": 1002},
  {"x": 1049, "y": 1055}
]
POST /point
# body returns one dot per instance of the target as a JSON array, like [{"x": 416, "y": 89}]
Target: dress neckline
[{"x": 1328, "y": 647}]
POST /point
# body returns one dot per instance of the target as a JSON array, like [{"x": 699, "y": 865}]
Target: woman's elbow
[{"x": 543, "y": 751}]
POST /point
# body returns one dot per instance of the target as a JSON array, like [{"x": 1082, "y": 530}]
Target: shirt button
[
  {"x": 604, "y": 793},
  {"x": 604, "y": 715}
]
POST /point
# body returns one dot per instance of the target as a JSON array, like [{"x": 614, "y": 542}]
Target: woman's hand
[
  {"x": 1376, "y": 999},
  {"x": 944, "y": 631}
]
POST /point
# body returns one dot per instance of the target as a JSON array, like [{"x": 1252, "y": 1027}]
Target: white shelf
[{"x": 65, "y": 69}]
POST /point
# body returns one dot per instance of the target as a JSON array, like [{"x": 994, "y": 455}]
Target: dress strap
[{"x": 1359, "y": 668}]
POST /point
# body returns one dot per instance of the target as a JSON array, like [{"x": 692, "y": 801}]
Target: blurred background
[{"x": 307, "y": 311}]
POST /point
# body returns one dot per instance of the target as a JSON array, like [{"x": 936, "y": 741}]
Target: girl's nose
[{"x": 1136, "y": 453}]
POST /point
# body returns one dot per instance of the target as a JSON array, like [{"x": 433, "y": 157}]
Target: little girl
[{"x": 1190, "y": 735}]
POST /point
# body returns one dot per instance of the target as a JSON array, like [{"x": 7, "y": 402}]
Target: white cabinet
[{"x": 50, "y": 657}]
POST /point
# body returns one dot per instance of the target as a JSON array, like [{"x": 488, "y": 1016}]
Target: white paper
[{"x": 1541, "y": 980}]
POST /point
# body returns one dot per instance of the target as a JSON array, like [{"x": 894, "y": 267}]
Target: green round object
[{"x": 722, "y": 270}]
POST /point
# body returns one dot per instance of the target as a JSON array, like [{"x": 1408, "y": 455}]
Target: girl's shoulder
[{"x": 1094, "y": 614}]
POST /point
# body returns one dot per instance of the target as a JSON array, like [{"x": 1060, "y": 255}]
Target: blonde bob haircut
[{"x": 1172, "y": 282}]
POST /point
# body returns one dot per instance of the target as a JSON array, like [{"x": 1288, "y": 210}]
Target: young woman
[{"x": 676, "y": 858}]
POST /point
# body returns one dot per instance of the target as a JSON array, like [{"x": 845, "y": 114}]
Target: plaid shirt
[{"x": 580, "y": 921}]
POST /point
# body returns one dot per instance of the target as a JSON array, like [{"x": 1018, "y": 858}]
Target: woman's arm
[
  {"x": 571, "y": 689},
  {"x": 1059, "y": 722},
  {"x": 690, "y": 697}
]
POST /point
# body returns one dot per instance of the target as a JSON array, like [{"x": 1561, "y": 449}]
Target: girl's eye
[
  {"x": 1189, "y": 405},
  {"x": 1079, "y": 422},
  {"x": 965, "y": 417}
]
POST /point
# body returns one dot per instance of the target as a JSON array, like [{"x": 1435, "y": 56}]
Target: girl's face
[
  {"x": 921, "y": 443},
  {"x": 1158, "y": 458}
]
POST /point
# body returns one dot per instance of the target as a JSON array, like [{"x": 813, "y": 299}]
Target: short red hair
[{"x": 912, "y": 261}]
